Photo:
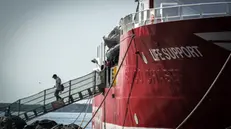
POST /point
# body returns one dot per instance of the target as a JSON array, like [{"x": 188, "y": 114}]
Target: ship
[{"x": 166, "y": 66}]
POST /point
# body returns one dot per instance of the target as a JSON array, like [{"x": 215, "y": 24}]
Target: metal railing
[
  {"x": 40, "y": 103},
  {"x": 175, "y": 13}
]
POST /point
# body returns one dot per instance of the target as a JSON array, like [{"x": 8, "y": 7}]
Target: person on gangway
[{"x": 59, "y": 87}]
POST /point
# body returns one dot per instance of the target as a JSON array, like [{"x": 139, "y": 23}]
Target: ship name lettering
[{"x": 175, "y": 53}]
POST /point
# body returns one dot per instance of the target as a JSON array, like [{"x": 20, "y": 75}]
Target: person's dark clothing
[{"x": 57, "y": 94}]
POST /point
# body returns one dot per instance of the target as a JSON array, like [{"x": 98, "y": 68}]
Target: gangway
[{"x": 43, "y": 102}]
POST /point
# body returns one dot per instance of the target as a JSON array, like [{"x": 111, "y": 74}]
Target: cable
[
  {"x": 90, "y": 97},
  {"x": 111, "y": 82},
  {"x": 198, "y": 104},
  {"x": 132, "y": 85},
  {"x": 87, "y": 109},
  {"x": 81, "y": 111},
  {"x": 85, "y": 114},
  {"x": 86, "y": 106}
]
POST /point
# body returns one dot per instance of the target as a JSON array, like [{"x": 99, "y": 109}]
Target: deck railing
[{"x": 175, "y": 13}]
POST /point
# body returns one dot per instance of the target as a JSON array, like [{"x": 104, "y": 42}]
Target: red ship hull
[{"x": 176, "y": 65}]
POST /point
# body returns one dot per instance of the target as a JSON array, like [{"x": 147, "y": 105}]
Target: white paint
[
  {"x": 144, "y": 58},
  {"x": 136, "y": 119},
  {"x": 144, "y": 5},
  {"x": 97, "y": 119},
  {"x": 114, "y": 126},
  {"x": 99, "y": 123},
  {"x": 175, "y": 53}
]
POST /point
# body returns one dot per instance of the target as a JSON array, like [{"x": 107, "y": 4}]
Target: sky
[{"x": 41, "y": 37}]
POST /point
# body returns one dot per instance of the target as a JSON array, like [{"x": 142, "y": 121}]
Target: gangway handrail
[
  {"x": 49, "y": 88},
  {"x": 79, "y": 86},
  {"x": 64, "y": 88},
  {"x": 48, "y": 104},
  {"x": 61, "y": 93}
]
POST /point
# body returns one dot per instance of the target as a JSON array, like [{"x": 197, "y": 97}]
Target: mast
[
  {"x": 151, "y": 4},
  {"x": 144, "y": 4}
]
